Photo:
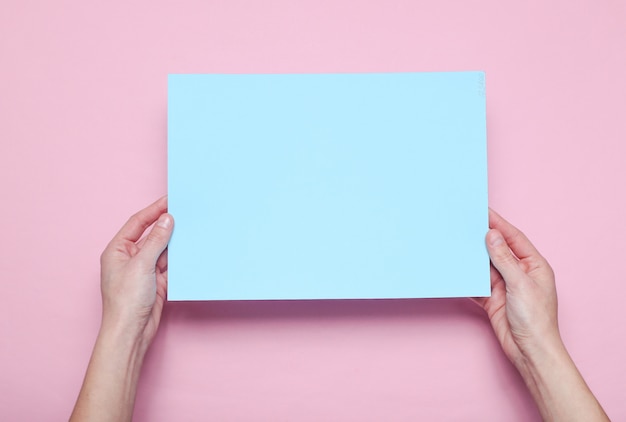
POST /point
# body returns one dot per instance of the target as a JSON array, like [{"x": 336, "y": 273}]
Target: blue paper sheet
[{"x": 327, "y": 186}]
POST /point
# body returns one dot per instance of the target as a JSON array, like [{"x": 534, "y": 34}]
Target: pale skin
[
  {"x": 134, "y": 285},
  {"x": 522, "y": 310},
  {"x": 523, "y": 313}
]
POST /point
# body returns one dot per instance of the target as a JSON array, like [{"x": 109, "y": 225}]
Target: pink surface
[{"x": 83, "y": 145}]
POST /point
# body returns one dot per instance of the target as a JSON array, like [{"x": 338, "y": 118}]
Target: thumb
[
  {"x": 157, "y": 239},
  {"x": 503, "y": 259}
]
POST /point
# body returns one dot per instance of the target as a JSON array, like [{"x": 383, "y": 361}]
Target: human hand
[
  {"x": 134, "y": 274},
  {"x": 523, "y": 313},
  {"x": 134, "y": 284},
  {"x": 523, "y": 303}
]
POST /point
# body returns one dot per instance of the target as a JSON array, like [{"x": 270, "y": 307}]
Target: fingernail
[
  {"x": 495, "y": 239},
  {"x": 164, "y": 221}
]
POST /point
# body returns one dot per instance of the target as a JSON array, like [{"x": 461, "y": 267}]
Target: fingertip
[
  {"x": 495, "y": 219},
  {"x": 165, "y": 221},
  {"x": 163, "y": 202},
  {"x": 494, "y": 238}
]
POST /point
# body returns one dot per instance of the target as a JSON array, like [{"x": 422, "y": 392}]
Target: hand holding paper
[
  {"x": 134, "y": 272},
  {"x": 523, "y": 312},
  {"x": 133, "y": 285}
]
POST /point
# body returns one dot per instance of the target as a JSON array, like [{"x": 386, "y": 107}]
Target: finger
[
  {"x": 496, "y": 278},
  {"x": 494, "y": 275},
  {"x": 140, "y": 221},
  {"x": 503, "y": 259},
  {"x": 162, "y": 261},
  {"x": 141, "y": 242},
  {"x": 517, "y": 241},
  {"x": 157, "y": 239}
]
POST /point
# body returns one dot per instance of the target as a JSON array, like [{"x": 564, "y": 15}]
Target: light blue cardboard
[{"x": 327, "y": 186}]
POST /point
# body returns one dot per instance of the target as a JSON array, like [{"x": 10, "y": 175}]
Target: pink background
[{"x": 83, "y": 145}]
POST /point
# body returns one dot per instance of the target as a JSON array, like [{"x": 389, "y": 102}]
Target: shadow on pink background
[{"x": 83, "y": 103}]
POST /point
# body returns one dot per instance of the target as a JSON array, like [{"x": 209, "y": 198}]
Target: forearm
[
  {"x": 108, "y": 391},
  {"x": 557, "y": 386}
]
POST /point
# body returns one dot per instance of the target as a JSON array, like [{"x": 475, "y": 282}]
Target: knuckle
[
  {"x": 133, "y": 220},
  {"x": 519, "y": 237}
]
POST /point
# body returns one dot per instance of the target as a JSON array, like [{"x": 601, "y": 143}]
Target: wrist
[
  {"x": 544, "y": 357},
  {"x": 122, "y": 336},
  {"x": 555, "y": 383},
  {"x": 110, "y": 385},
  {"x": 542, "y": 351}
]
